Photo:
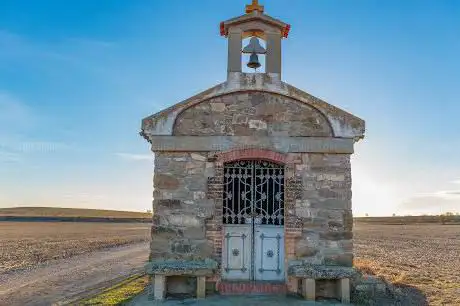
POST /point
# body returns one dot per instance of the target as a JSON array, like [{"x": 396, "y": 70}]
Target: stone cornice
[{"x": 226, "y": 143}]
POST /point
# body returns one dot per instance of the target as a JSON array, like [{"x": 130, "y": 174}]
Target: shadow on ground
[{"x": 369, "y": 289}]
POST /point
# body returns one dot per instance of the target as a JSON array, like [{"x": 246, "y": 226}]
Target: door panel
[
  {"x": 269, "y": 252},
  {"x": 237, "y": 249}
]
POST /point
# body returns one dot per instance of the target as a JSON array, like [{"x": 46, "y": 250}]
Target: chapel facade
[{"x": 252, "y": 180}]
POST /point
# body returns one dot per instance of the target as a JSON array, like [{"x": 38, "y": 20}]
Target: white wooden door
[
  {"x": 269, "y": 252},
  {"x": 236, "y": 252}
]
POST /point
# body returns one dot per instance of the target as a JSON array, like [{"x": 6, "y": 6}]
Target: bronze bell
[
  {"x": 254, "y": 47},
  {"x": 254, "y": 61}
]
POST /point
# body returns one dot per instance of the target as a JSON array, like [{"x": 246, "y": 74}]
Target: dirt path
[{"x": 63, "y": 280}]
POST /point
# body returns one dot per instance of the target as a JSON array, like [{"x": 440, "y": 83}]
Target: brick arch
[{"x": 242, "y": 154}]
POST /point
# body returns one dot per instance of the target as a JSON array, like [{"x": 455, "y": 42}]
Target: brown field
[
  {"x": 26, "y": 244},
  {"x": 70, "y": 212},
  {"x": 423, "y": 256}
]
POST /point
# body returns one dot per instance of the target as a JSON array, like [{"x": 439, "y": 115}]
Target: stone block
[
  {"x": 257, "y": 124},
  {"x": 346, "y": 245},
  {"x": 169, "y": 166},
  {"x": 305, "y": 249},
  {"x": 182, "y": 220},
  {"x": 331, "y": 177},
  {"x": 159, "y": 287},
  {"x": 314, "y": 223},
  {"x": 240, "y": 119},
  {"x": 331, "y": 204},
  {"x": 193, "y": 164},
  {"x": 199, "y": 195},
  {"x": 195, "y": 182},
  {"x": 336, "y": 235},
  {"x": 348, "y": 220},
  {"x": 309, "y": 289},
  {"x": 181, "y": 194},
  {"x": 301, "y": 167},
  {"x": 198, "y": 232},
  {"x": 335, "y": 226},
  {"x": 305, "y": 158},
  {"x": 165, "y": 181},
  {"x": 345, "y": 290},
  {"x": 181, "y": 246},
  {"x": 162, "y": 195},
  {"x": 169, "y": 204},
  {"x": 305, "y": 212},
  {"x": 199, "y": 157},
  {"x": 218, "y": 107},
  {"x": 294, "y": 158},
  {"x": 201, "y": 287},
  {"x": 209, "y": 170},
  {"x": 203, "y": 249},
  {"x": 197, "y": 170},
  {"x": 341, "y": 259}
]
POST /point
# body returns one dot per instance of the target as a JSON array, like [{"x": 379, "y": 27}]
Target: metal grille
[{"x": 253, "y": 193}]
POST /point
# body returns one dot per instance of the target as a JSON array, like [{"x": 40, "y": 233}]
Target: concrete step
[{"x": 252, "y": 287}]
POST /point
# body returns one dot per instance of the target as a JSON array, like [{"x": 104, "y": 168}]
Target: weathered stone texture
[
  {"x": 324, "y": 206},
  {"x": 254, "y": 113},
  {"x": 180, "y": 206}
]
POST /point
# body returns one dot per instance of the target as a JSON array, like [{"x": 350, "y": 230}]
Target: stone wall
[
  {"x": 324, "y": 209},
  {"x": 252, "y": 114},
  {"x": 188, "y": 206},
  {"x": 180, "y": 206}
]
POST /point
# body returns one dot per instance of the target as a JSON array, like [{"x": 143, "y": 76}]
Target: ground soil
[
  {"x": 425, "y": 256},
  {"x": 24, "y": 245},
  {"x": 46, "y": 263},
  {"x": 67, "y": 280}
]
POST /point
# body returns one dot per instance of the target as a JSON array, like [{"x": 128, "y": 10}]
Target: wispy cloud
[
  {"x": 74, "y": 50},
  {"x": 14, "y": 113},
  {"x": 434, "y": 204},
  {"x": 135, "y": 157},
  {"x": 437, "y": 201},
  {"x": 17, "y": 120}
]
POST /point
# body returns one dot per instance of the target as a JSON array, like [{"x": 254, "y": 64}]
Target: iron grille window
[{"x": 253, "y": 193}]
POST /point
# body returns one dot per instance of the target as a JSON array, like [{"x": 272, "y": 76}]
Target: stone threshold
[{"x": 252, "y": 287}]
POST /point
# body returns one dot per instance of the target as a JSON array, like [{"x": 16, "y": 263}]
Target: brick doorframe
[{"x": 292, "y": 189}]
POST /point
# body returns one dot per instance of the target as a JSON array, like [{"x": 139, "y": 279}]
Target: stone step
[{"x": 252, "y": 287}]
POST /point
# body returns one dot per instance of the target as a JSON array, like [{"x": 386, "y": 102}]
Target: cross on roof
[{"x": 254, "y": 6}]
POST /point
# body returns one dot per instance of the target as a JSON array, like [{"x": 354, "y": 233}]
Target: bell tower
[{"x": 256, "y": 26}]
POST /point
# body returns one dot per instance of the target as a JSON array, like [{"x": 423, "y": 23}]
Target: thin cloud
[
  {"x": 432, "y": 203},
  {"x": 14, "y": 112},
  {"x": 135, "y": 157},
  {"x": 79, "y": 51},
  {"x": 452, "y": 192},
  {"x": 17, "y": 119}
]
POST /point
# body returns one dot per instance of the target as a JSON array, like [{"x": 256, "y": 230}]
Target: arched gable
[{"x": 252, "y": 113}]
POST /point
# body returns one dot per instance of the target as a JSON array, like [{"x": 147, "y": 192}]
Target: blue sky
[{"x": 76, "y": 78}]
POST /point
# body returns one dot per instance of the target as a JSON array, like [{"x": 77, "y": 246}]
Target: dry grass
[
  {"x": 120, "y": 293},
  {"x": 69, "y": 212},
  {"x": 26, "y": 244},
  {"x": 424, "y": 256}
]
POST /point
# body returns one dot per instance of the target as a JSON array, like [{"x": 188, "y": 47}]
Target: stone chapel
[{"x": 252, "y": 180}]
